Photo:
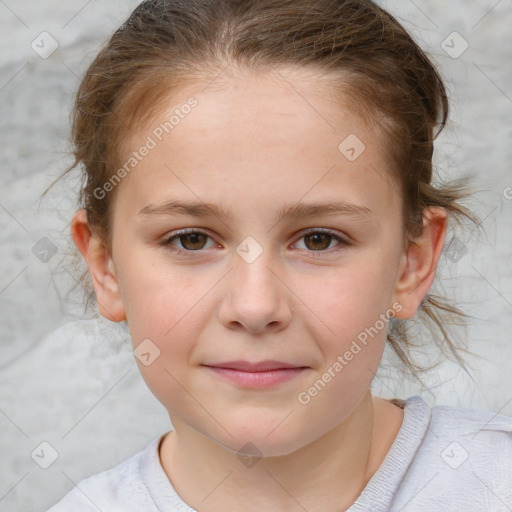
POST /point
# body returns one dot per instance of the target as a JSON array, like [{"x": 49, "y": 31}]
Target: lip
[
  {"x": 261, "y": 366},
  {"x": 264, "y": 374}
]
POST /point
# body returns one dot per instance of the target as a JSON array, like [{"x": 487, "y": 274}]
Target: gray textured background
[{"x": 72, "y": 381}]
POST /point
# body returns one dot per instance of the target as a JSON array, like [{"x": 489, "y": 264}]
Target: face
[{"x": 246, "y": 283}]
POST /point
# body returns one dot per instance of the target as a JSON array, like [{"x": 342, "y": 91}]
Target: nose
[{"x": 255, "y": 297}]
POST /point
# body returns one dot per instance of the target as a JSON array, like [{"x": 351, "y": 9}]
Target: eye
[
  {"x": 191, "y": 241},
  {"x": 317, "y": 241}
]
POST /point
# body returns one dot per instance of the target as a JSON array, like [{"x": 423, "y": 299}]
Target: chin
[{"x": 265, "y": 441}]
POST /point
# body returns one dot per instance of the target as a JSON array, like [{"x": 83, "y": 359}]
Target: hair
[{"x": 373, "y": 64}]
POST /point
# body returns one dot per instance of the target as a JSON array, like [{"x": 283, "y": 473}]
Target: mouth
[
  {"x": 261, "y": 374},
  {"x": 261, "y": 366}
]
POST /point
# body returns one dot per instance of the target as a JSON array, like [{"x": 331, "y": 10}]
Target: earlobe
[
  {"x": 101, "y": 268},
  {"x": 420, "y": 261}
]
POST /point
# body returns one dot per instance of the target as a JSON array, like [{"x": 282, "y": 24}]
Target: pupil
[
  {"x": 317, "y": 239},
  {"x": 195, "y": 239}
]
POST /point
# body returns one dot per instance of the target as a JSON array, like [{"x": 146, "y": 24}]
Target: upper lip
[{"x": 260, "y": 366}]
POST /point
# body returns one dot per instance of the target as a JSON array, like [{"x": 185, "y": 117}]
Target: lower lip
[{"x": 257, "y": 379}]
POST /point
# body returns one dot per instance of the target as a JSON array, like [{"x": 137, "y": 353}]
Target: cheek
[
  {"x": 167, "y": 304},
  {"x": 157, "y": 294},
  {"x": 170, "y": 311},
  {"x": 343, "y": 302},
  {"x": 343, "y": 317}
]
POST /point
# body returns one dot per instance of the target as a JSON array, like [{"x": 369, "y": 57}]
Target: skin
[{"x": 253, "y": 144}]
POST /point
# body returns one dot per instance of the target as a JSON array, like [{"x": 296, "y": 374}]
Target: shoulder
[
  {"x": 119, "y": 489},
  {"x": 463, "y": 460},
  {"x": 476, "y": 435}
]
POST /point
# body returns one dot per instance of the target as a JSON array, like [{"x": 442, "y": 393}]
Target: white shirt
[{"x": 444, "y": 458}]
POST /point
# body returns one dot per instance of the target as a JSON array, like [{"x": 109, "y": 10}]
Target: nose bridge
[
  {"x": 255, "y": 296},
  {"x": 252, "y": 266}
]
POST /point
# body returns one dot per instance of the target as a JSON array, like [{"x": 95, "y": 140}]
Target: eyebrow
[{"x": 293, "y": 210}]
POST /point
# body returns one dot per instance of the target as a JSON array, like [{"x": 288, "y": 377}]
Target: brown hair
[{"x": 376, "y": 64}]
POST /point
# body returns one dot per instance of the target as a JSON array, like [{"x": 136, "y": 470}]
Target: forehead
[{"x": 273, "y": 134}]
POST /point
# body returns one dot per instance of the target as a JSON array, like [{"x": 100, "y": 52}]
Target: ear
[
  {"x": 419, "y": 263},
  {"x": 101, "y": 268}
]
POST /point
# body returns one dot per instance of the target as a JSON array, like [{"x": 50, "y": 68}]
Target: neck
[{"x": 327, "y": 474}]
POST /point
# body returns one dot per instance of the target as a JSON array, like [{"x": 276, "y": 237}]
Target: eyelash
[{"x": 167, "y": 243}]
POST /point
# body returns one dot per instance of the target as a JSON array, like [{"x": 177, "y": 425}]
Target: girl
[{"x": 258, "y": 207}]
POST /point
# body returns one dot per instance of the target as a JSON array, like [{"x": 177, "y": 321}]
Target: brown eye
[
  {"x": 318, "y": 241},
  {"x": 189, "y": 241},
  {"x": 193, "y": 241}
]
